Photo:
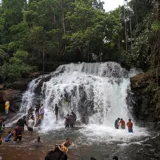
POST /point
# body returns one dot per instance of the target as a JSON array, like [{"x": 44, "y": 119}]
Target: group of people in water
[
  {"x": 34, "y": 120},
  {"x": 120, "y": 123},
  {"x": 31, "y": 121}
]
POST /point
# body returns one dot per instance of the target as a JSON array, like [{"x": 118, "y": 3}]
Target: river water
[{"x": 99, "y": 91}]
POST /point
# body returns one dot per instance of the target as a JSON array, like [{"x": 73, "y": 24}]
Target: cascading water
[{"x": 96, "y": 92}]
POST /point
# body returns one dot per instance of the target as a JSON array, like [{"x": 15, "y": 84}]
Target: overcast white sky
[{"x": 112, "y": 4}]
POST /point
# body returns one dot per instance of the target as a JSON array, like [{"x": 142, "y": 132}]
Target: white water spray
[{"x": 94, "y": 90}]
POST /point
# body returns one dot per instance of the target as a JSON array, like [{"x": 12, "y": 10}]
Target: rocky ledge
[
  {"x": 14, "y": 91},
  {"x": 147, "y": 99}
]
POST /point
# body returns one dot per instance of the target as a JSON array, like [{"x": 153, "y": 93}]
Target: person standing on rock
[
  {"x": 130, "y": 126},
  {"x": 56, "y": 111},
  {"x": 7, "y": 105}
]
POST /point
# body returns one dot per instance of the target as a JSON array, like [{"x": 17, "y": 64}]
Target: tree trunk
[
  {"x": 63, "y": 22},
  {"x": 43, "y": 60}
]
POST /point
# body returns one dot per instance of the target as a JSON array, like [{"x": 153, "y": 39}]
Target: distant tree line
[{"x": 38, "y": 32}]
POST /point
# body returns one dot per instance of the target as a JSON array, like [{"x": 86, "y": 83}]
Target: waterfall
[{"x": 97, "y": 91}]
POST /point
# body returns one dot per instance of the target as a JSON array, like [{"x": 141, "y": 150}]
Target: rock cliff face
[
  {"x": 13, "y": 92},
  {"x": 147, "y": 100}
]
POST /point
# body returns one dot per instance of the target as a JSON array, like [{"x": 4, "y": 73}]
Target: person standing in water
[
  {"x": 130, "y": 126},
  {"x": 41, "y": 112},
  {"x": 122, "y": 122},
  {"x": 116, "y": 124},
  {"x": 18, "y": 133},
  {"x": 30, "y": 125},
  {"x": 7, "y": 105},
  {"x": 56, "y": 111}
]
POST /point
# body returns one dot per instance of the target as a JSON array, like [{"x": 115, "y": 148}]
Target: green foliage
[
  {"x": 3, "y": 56},
  {"x": 156, "y": 25},
  {"x": 71, "y": 31},
  {"x": 16, "y": 67}
]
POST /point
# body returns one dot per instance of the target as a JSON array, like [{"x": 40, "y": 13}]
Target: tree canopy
[{"x": 36, "y": 32}]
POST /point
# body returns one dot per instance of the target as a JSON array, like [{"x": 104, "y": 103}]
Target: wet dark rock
[
  {"x": 147, "y": 104},
  {"x": 14, "y": 96}
]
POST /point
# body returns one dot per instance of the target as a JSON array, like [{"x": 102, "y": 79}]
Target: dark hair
[
  {"x": 129, "y": 119},
  {"x": 92, "y": 158},
  {"x": 115, "y": 158},
  {"x": 24, "y": 117},
  {"x": 67, "y": 139}
]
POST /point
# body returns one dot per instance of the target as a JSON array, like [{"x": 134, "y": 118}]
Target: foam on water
[{"x": 98, "y": 90}]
